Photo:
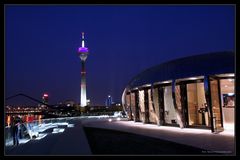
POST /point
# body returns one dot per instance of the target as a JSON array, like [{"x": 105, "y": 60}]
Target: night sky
[{"x": 42, "y": 41}]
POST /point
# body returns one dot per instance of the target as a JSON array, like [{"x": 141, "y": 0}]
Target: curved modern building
[{"x": 196, "y": 91}]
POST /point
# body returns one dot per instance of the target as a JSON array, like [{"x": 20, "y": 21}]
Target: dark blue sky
[{"x": 42, "y": 41}]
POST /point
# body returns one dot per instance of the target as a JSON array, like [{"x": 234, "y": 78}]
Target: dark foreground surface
[{"x": 111, "y": 142}]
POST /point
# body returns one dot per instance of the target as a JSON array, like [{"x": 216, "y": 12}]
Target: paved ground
[
  {"x": 223, "y": 142},
  {"x": 73, "y": 141},
  {"x": 112, "y": 142}
]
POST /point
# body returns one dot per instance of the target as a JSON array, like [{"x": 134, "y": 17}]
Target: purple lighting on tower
[{"x": 82, "y": 49}]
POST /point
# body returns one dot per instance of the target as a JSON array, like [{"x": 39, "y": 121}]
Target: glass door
[
  {"x": 216, "y": 106},
  {"x": 197, "y": 110}
]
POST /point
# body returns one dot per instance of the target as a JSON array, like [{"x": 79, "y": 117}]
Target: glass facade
[
  {"x": 196, "y": 103},
  {"x": 141, "y": 106}
]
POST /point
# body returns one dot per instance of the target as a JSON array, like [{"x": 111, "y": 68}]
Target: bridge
[
  {"x": 29, "y": 97},
  {"x": 50, "y": 108}
]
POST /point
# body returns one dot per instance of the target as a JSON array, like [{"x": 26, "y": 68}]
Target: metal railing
[{"x": 36, "y": 129}]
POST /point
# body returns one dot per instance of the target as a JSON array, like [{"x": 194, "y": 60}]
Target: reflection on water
[
  {"x": 8, "y": 120},
  {"x": 24, "y": 117},
  {"x": 40, "y": 119}
]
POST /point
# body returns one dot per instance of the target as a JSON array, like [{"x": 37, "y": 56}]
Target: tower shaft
[{"x": 83, "y": 85}]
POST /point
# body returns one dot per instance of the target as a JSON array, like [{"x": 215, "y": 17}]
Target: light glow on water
[{"x": 8, "y": 121}]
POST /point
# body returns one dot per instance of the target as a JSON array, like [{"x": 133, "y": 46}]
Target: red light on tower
[{"x": 45, "y": 95}]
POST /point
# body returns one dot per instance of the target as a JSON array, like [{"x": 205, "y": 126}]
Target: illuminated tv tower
[{"x": 83, "y": 53}]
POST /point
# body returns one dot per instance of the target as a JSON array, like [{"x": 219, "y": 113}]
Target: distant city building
[
  {"x": 88, "y": 102},
  {"x": 45, "y": 98},
  {"x": 116, "y": 104},
  {"x": 69, "y": 103},
  {"x": 109, "y": 101}
]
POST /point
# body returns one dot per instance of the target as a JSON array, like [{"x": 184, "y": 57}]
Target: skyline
[{"x": 42, "y": 42}]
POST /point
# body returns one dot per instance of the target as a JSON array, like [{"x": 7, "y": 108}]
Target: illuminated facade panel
[
  {"x": 141, "y": 106},
  {"x": 156, "y": 105},
  {"x": 152, "y": 112},
  {"x": 133, "y": 106},
  {"x": 169, "y": 110}
]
